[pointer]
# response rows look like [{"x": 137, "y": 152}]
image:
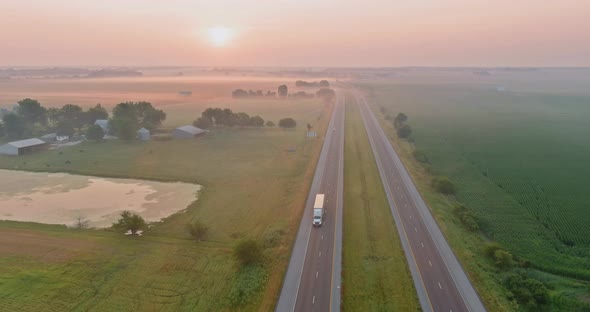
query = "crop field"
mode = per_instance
[
  {"x": 252, "y": 188},
  {"x": 518, "y": 155},
  {"x": 375, "y": 274}
]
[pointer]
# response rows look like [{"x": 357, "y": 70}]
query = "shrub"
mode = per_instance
[
  {"x": 503, "y": 259},
  {"x": 248, "y": 252},
  {"x": 420, "y": 156},
  {"x": 404, "y": 132},
  {"x": 443, "y": 185},
  {"x": 198, "y": 230},
  {"x": 270, "y": 124}
]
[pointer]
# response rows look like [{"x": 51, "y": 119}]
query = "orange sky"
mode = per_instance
[{"x": 296, "y": 33}]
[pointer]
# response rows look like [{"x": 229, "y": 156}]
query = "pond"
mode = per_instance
[{"x": 59, "y": 198}]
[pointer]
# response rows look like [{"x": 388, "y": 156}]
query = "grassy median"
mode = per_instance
[{"x": 375, "y": 274}]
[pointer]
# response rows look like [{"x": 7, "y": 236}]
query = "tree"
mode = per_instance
[
  {"x": 198, "y": 230},
  {"x": 32, "y": 111},
  {"x": 443, "y": 185},
  {"x": 467, "y": 218},
  {"x": 399, "y": 120},
  {"x": 239, "y": 93},
  {"x": 130, "y": 221},
  {"x": 256, "y": 121},
  {"x": 241, "y": 119},
  {"x": 73, "y": 115},
  {"x": 248, "y": 252},
  {"x": 528, "y": 292},
  {"x": 309, "y": 127},
  {"x": 404, "y": 132},
  {"x": 287, "y": 123},
  {"x": 324, "y": 84},
  {"x": 203, "y": 122},
  {"x": 283, "y": 91},
  {"x": 81, "y": 223},
  {"x": 148, "y": 117},
  {"x": 326, "y": 93},
  {"x": 270, "y": 124},
  {"x": 95, "y": 133},
  {"x": 95, "y": 113},
  {"x": 14, "y": 125},
  {"x": 1, "y": 130},
  {"x": 65, "y": 127},
  {"x": 125, "y": 121}
]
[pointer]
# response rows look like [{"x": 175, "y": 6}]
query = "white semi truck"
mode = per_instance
[{"x": 318, "y": 210}]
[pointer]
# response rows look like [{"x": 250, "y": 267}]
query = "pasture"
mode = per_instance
[
  {"x": 252, "y": 188},
  {"x": 518, "y": 156}
]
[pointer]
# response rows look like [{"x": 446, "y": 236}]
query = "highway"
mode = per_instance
[
  {"x": 439, "y": 279},
  {"x": 312, "y": 281}
]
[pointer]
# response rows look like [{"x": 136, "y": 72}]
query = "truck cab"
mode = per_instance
[{"x": 318, "y": 210}]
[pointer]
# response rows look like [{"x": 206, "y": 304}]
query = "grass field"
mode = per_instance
[
  {"x": 519, "y": 160},
  {"x": 375, "y": 274},
  {"x": 253, "y": 187}
]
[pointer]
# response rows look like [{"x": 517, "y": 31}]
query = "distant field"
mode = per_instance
[
  {"x": 252, "y": 187},
  {"x": 519, "y": 156},
  {"x": 375, "y": 272}
]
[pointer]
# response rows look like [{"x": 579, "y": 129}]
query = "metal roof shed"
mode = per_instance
[{"x": 22, "y": 147}]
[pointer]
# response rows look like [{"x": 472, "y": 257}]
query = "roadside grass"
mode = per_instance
[
  {"x": 512, "y": 164},
  {"x": 375, "y": 273},
  {"x": 252, "y": 187}
]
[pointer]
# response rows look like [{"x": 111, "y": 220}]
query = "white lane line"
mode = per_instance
[
  {"x": 421, "y": 243},
  {"x": 429, "y": 262},
  {"x": 322, "y": 236},
  {"x": 415, "y": 229},
  {"x": 439, "y": 285},
  {"x": 316, "y": 274},
  {"x": 320, "y": 254},
  {"x": 313, "y": 300},
  {"x": 410, "y": 217}
]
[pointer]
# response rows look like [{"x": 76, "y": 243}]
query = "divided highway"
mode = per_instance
[
  {"x": 312, "y": 281},
  {"x": 439, "y": 279}
]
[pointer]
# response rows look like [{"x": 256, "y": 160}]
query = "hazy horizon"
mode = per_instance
[{"x": 427, "y": 33}]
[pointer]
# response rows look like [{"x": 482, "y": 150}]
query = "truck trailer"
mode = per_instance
[{"x": 318, "y": 210}]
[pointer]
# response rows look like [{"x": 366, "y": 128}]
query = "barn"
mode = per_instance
[
  {"x": 187, "y": 132},
  {"x": 22, "y": 147}
]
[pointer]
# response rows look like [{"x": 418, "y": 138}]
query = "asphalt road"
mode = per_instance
[
  {"x": 312, "y": 281},
  {"x": 440, "y": 281}
]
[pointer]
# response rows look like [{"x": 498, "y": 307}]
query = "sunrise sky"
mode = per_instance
[{"x": 295, "y": 33}]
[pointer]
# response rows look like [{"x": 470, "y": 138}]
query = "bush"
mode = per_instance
[
  {"x": 270, "y": 124},
  {"x": 248, "y": 252},
  {"x": 503, "y": 259},
  {"x": 531, "y": 293},
  {"x": 443, "y": 185},
  {"x": 198, "y": 230},
  {"x": 203, "y": 123},
  {"x": 467, "y": 218}
]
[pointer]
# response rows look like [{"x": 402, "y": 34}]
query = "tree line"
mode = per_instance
[
  {"x": 30, "y": 118},
  {"x": 313, "y": 84},
  {"x": 218, "y": 117},
  {"x": 283, "y": 92}
]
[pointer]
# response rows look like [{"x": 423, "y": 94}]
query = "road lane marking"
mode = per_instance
[
  {"x": 415, "y": 229},
  {"x": 429, "y": 262},
  {"x": 316, "y": 274},
  {"x": 421, "y": 243},
  {"x": 322, "y": 236},
  {"x": 313, "y": 300},
  {"x": 320, "y": 254},
  {"x": 439, "y": 285}
]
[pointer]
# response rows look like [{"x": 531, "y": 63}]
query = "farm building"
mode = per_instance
[
  {"x": 22, "y": 147},
  {"x": 49, "y": 138},
  {"x": 143, "y": 134},
  {"x": 104, "y": 124},
  {"x": 186, "y": 132}
]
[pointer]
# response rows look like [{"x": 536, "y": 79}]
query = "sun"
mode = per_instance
[{"x": 220, "y": 35}]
